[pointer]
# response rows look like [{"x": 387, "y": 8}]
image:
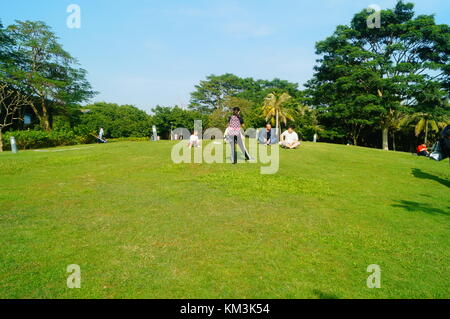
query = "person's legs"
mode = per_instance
[
  {"x": 242, "y": 147},
  {"x": 295, "y": 145},
  {"x": 232, "y": 140}
]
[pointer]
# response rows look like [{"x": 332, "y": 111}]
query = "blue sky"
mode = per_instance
[{"x": 146, "y": 53}]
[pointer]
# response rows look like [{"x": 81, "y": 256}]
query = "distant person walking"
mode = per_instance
[
  {"x": 234, "y": 135},
  {"x": 101, "y": 133}
]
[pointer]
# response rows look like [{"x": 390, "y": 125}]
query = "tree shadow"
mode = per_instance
[
  {"x": 424, "y": 175},
  {"x": 420, "y": 207},
  {"x": 324, "y": 295}
]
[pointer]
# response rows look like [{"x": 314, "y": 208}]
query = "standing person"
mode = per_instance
[
  {"x": 101, "y": 133},
  {"x": 234, "y": 135},
  {"x": 289, "y": 139}
]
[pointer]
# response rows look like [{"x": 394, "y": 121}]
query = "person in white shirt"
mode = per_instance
[
  {"x": 101, "y": 133},
  {"x": 193, "y": 140},
  {"x": 289, "y": 139}
]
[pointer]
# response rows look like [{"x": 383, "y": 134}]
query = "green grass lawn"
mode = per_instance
[{"x": 140, "y": 226}]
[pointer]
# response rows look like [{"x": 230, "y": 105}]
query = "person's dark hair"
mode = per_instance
[
  {"x": 291, "y": 127},
  {"x": 236, "y": 110}
]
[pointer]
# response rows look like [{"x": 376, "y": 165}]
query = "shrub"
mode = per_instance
[{"x": 42, "y": 139}]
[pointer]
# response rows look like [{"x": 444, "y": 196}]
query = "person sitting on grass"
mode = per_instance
[
  {"x": 422, "y": 150},
  {"x": 268, "y": 135},
  {"x": 289, "y": 139},
  {"x": 193, "y": 140}
]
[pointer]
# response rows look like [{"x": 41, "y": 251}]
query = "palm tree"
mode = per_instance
[
  {"x": 274, "y": 110},
  {"x": 313, "y": 123},
  {"x": 303, "y": 109},
  {"x": 397, "y": 120},
  {"x": 425, "y": 122}
]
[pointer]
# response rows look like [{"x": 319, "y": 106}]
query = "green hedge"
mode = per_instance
[{"x": 42, "y": 139}]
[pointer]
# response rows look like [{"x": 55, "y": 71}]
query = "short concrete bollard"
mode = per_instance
[{"x": 13, "y": 145}]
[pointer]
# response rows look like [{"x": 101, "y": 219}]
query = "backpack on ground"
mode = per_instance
[{"x": 437, "y": 153}]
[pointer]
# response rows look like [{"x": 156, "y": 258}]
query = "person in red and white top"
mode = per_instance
[
  {"x": 422, "y": 150},
  {"x": 234, "y": 135}
]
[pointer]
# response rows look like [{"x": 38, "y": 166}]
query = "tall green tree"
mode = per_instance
[
  {"x": 211, "y": 94},
  {"x": 168, "y": 118},
  {"x": 45, "y": 71},
  {"x": 6, "y": 53},
  {"x": 116, "y": 120},
  {"x": 306, "y": 120},
  {"x": 403, "y": 65}
]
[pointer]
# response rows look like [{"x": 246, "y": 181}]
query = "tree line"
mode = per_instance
[{"x": 385, "y": 87}]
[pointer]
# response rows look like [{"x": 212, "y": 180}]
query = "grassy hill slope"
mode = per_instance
[{"x": 140, "y": 226}]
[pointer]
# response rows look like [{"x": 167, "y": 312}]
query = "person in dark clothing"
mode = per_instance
[
  {"x": 267, "y": 135},
  {"x": 445, "y": 141},
  {"x": 234, "y": 135},
  {"x": 441, "y": 150},
  {"x": 268, "y": 132}
]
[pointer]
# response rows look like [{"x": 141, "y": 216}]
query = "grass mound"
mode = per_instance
[{"x": 140, "y": 226}]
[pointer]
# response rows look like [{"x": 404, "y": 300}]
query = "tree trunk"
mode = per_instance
[
  {"x": 43, "y": 118},
  {"x": 45, "y": 122},
  {"x": 385, "y": 139},
  {"x": 393, "y": 141},
  {"x": 355, "y": 141},
  {"x": 1, "y": 141},
  {"x": 426, "y": 131},
  {"x": 278, "y": 125}
]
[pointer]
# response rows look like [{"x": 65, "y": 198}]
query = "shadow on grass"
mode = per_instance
[
  {"x": 424, "y": 175},
  {"x": 324, "y": 295},
  {"x": 420, "y": 207}
]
